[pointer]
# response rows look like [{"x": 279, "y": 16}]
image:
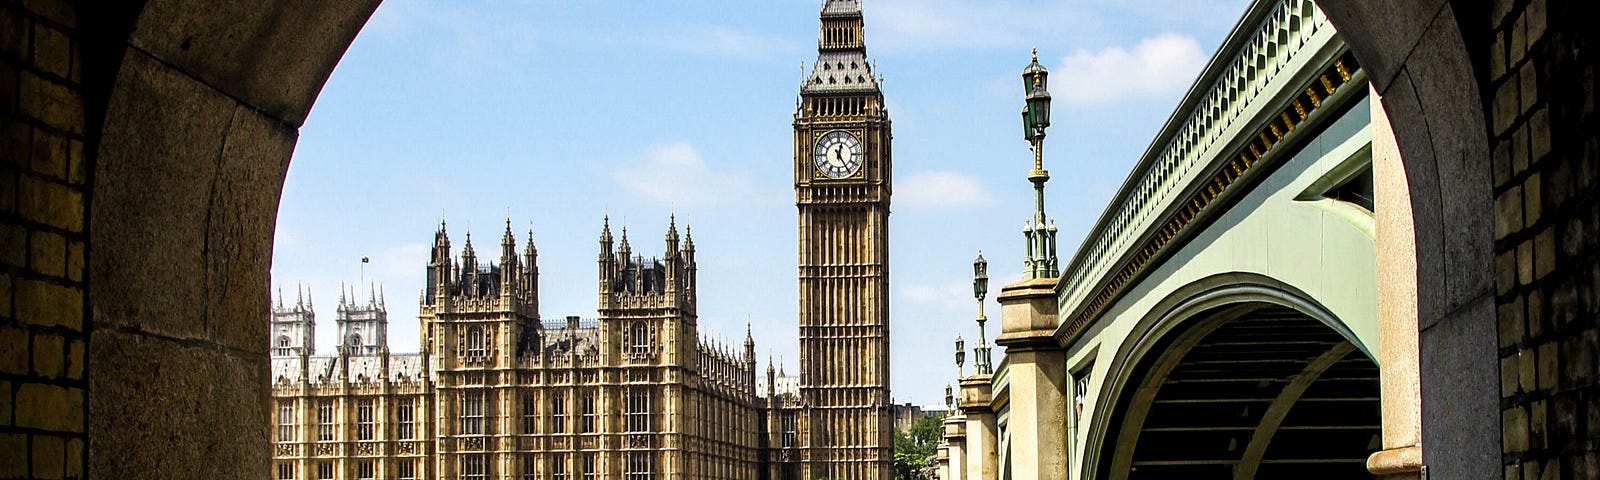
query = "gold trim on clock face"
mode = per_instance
[{"x": 837, "y": 154}]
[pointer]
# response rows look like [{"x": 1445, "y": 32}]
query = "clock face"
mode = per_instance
[{"x": 838, "y": 154}]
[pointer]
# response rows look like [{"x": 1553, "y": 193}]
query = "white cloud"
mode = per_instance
[
  {"x": 1156, "y": 66},
  {"x": 935, "y": 189},
  {"x": 675, "y": 174}
]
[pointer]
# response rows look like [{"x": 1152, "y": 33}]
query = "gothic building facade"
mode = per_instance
[{"x": 496, "y": 392}]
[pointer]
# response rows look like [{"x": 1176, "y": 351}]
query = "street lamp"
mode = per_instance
[
  {"x": 980, "y": 288},
  {"x": 949, "y": 399},
  {"x": 961, "y": 356},
  {"x": 1041, "y": 235}
]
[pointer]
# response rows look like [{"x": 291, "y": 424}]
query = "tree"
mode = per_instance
[{"x": 914, "y": 449}]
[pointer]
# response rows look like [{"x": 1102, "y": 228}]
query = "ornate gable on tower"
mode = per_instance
[{"x": 841, "y": 64}]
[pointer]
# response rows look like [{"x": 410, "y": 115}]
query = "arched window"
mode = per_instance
[
  {"x": 475, "y": 342},
  {"x": 353, "y": 341},
  {"x": 284, "y": 349}
]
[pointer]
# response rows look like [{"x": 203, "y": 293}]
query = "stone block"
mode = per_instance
[
  {"x": 13, "y": 33},
  {"x": 1497, "y": 57},
  {"x": 51, "y": 102},
  {"x": 49, "y": 155},
  {"x": 1502, "y": 164},
  {"x": 13, "y": 351},
  {"x": 1527, "y": 370},
  {"x": 1525, "y": 263},
  {"x": 13, "y": 454},
  {"x": 152, "y": 195},
  {"x": 1538, "y": 134},
  {"x": 1508, "y": 212},
  {"x": 62, "y": 12},
  {"x": 1508, "y": 376},
  {"x": 1505, "y": 105},
  {"x": 74, "y": 458},
  {"x": 74, "y": 260},
  {"x": 1537, "y": 419},
  {"x": 1384, "y": 37},
  {"x": 1505, "y": 272},
  {"x": 1577, "y": 235},
  {"x": 47, "y": 304},
  {"x": 47, "y": 253},
  {"x": 1510, "y": 316},
  {"x": 1532, "y": 208},
  {"x": 8, "y": 190},
  {"x": 1549, "y": 359},
  {"x": 75, "y": 359},
  {"x": 1537, "y": 14},
  {"x": 77, "y": 169},
  {"x": 49, "y": 456},
  {"x": 1578, "y": 358},
  {"x": 255, "y": 159},
  {"x": 139, "y": 381},
  {"x": 13, "y": 245},
  {"x": 52, "y": 50},
  {"x": 8, "y": 83},
  {"x": 5, "y": 294},
  {"x": 49, "y": 355},
  {"x": 1517, "y": 41},
  {"x": 1529, "y": 82},
  {"x": 50, "y": 203},
  {"x": 16, "y": 142},
  {"x": 301, "y": 39},
  {"x": 5, "y": 405},
  {"x": 50, "y": 407},
  {"x": 1544, "y": 253},
  {"x": 1519, "y": 150},
  {"x": 1536, "y": 321},
  {"x": 1515, "y": 427}
]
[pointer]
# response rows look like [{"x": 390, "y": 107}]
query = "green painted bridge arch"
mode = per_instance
[{"x": 1230, "y": 376}]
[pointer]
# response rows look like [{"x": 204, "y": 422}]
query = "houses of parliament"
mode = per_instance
[{"x": 498, "y": 392}]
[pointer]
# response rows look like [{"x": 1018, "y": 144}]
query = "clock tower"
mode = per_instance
[{"x": 842, "y": 172}]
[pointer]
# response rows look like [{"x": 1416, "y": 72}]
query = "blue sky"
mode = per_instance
[{"x": 557, "y": 113}]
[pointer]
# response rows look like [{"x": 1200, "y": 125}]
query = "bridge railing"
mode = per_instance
[{"x": 1273, "y": 42}]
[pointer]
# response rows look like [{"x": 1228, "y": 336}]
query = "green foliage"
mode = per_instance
[{"x": 914, "y": 450}]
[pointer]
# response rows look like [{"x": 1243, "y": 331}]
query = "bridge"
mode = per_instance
[{"x": 1221, "y": 319}]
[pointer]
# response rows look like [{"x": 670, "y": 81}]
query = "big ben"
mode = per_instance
[{"x": 842, "y": 172}]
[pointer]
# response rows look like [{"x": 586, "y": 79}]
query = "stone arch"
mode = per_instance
[
  {"x": 1188, "y": 311},
  {"x": 186, "y": 114}
]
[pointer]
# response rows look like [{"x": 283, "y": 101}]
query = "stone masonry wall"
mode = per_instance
[
  {"x": 1541, "y": 104},
  {"x": 43, "y": 190}
]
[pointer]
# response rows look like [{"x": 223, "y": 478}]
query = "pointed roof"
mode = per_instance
[
  {"x": 841, "y": 64},
  {"x": 833, "y": 7}
]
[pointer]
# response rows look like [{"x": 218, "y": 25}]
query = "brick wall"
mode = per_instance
[
  {"x": 1540, "y": 99},
  {"x": 43, "y": 190}
]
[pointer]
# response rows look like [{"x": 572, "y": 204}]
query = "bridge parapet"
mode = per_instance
[{"x": 1228, "y": 120}]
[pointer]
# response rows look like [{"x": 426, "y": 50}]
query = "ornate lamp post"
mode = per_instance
[
  {"x": 1041, "y": 235},
  {"x": 949, "y": 400},
  {"x": 961, "y": 356},
  {"x": 980, "y": 288}
]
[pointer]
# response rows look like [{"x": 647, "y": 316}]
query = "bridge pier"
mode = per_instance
[
  {"x": 982, "y": 441},
  {"x": 955, "y": 438},
  {"x": 1401, "y": 457},
  {"x": 1038, "y": 375}
]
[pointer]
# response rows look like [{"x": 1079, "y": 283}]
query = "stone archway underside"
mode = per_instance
[{"x": 1269, "y": 394}]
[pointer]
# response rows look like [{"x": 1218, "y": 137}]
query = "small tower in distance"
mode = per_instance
[
  {"x": 363, "y": 328},
  {"x": 293, "y": 326}
]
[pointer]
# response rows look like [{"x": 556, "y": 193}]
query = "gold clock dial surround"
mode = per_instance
[{"x": 837, "y": 154}]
